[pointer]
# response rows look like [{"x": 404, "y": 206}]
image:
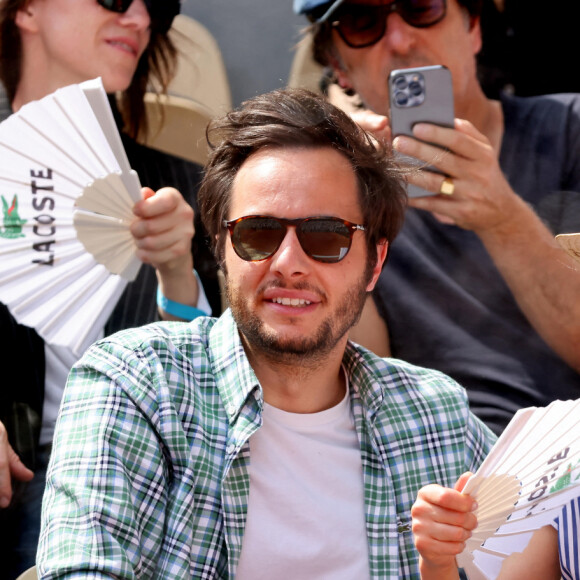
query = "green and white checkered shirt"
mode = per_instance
[{"x": 149, "y": 473}]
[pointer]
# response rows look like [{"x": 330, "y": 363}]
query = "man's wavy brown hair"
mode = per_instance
[{"x": 297, "y": 118}]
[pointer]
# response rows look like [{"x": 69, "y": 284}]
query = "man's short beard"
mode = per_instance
[{"x": 308, "y": 348}]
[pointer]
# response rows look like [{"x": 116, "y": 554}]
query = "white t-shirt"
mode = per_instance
[{"x": 306, "y": 511}]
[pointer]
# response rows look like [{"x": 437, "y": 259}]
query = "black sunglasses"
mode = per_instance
[
  {"x": 361, "y": 25},
  {"x": 161, "y": 12},
  {"x": 324, "y": 239}
]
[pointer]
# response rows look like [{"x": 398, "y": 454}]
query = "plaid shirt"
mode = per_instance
[{"x": 149, "y": 473}]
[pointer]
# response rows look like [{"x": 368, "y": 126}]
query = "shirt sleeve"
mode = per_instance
[
  {"x": 479, "y": 441},
  {"x": 104, "y": 504}
]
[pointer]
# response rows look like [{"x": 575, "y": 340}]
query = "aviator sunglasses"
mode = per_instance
[
  {"x": 361, "y": 25},
  {"x": 161, "y": 12},
  {"x": 324, "y": 239}
]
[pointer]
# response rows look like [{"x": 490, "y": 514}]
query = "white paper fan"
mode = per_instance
[
  {"x": 67, "y": 192},
  {"x": 529, "y": 475},
  {"x": 570, "y": 243}
]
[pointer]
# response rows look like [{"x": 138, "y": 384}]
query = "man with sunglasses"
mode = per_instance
[
  {"x": 262, "y": 444},
  {"x": 476, "y": 287},
  {"x": 44, "y": 45}
]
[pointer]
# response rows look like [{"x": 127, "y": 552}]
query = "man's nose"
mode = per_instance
[
  {"x": 290, "y": 260},
  {"x": 399, "y": 36}
]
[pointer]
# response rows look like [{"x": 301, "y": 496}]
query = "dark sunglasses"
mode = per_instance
[
  {"x": 161, "y": 12},
  {"x": 361, "y": 25},
  {"x": 324, "y": 239}
]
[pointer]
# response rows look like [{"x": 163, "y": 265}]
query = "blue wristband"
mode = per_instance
[{"x": 176, "y": 309}]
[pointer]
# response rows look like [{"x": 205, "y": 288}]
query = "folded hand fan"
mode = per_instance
[
  {"x": 67, "y": 190},
  {"x": 530, "y": 474},
  {"x": 570, "y": 243}
]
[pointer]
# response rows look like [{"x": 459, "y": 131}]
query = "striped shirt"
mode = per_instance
[
  {"x": 567, "y": 524},
  {"x": 149, "y": 474}
]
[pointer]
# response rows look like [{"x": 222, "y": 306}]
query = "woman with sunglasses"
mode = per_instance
[{"x": 44, "y": 45}]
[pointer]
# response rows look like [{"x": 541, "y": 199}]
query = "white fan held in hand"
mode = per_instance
[
  {"x": 530, "y": 474},
  {"x": 66, "y": 252}
]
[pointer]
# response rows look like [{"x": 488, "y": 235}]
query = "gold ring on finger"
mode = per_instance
[{"x": 447, "y": 187}]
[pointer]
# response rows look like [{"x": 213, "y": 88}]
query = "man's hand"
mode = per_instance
[
  {"x": 482, "y": 197},
  {"x": 542, "y": 278},
  {"x": 443, "y": 520},
  {"x": 377, "y": 125},
  {"x": 10, "y": 466}
]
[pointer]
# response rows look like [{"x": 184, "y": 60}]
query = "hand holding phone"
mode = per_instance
[{"x": 420, "y": 95}]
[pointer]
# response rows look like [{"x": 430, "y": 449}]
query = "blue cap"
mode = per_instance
[{"x": 324, "y": 7}]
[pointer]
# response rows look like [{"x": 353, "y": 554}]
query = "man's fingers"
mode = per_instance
[
  {"x": 178, "y": 223},
  {"x": 445, "y": 526},
  {"x": 445, "y": 506},
  {"x": 460, "y": 484},
  {"x": 18, "y": 469},
  {"x": 162, "y": 201},
  {"x": 10, "y": 466},
  {"x": 5, "y": 487},
  {"x": 464, "y": 141},
  {"x": 370, "y": 121},
  {"x": 428, "y": 512},
  {"x": 377, "y": 125},
  {"x": 442, "y": 540},
  {"x": 147, "y": 192},
  {"x": 442, "y": 522}
]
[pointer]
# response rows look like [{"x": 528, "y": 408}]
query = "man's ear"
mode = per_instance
[
  {"x": 475, "y": 33},
  {"x": 26, "y": 17},
  {"x": 339, "y": 72},
  {"x": 382, "y": 249}
]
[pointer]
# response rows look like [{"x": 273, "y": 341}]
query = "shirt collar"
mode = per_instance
[
  {"x": 369, "y": 375},
  {"x": 235, "y": 378}
]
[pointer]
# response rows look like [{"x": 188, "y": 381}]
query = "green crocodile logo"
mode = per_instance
[
  {"x": 12, "y": 221},
  {"x": 565, "y": 479}
]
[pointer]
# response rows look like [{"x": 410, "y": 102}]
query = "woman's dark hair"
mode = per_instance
[
  {"x": 298, "y": 118},
  {"x": 157, "y": 63}
]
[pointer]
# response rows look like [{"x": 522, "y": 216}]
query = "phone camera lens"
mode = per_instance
[
  {"x": 401, "y": 98},
  {"x": 415, "y": 88},
  {"x": 400, "y": 83}
]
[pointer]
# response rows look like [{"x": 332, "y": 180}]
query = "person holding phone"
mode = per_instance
[
  {"x": 44, "y": 45},
  {"x": 476, "y": 287}
]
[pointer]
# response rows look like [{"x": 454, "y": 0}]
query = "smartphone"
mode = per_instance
[{"x": 417, "y": 95}]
